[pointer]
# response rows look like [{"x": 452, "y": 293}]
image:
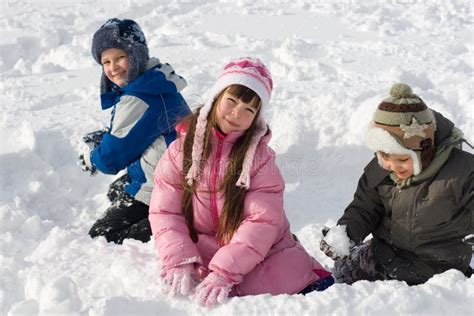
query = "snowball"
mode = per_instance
[{"x": 338, "y": 240}]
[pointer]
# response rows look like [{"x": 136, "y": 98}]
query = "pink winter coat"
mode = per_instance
[{"x": 262, "y": 256}]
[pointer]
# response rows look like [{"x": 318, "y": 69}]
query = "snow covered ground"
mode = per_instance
[{"x": 332, "y": 63}]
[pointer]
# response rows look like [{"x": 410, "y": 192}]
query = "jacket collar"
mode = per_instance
[
  {"x": 182, "y": 128},
  {"x": 227, "y": 138},
  {"x": 157, "y": 79}
]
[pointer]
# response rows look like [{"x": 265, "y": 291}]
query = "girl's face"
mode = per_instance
[
  {"x": 233, "y": 115},
  {"x": 401, "y": 165},
  {"x": 115, "y": 63}
]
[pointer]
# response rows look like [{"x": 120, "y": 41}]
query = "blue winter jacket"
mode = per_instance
[{"x": 144, "y": 114}]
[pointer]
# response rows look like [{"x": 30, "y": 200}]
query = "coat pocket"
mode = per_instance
[{"x": 435, "y": 211}]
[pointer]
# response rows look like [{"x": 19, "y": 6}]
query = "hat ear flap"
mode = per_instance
[
  {"x": 105, "y": 84},
  {"x": 133, "y": 70},
  {"x": 378, "y": 139},
  {"x": 415, "y": 157},
  {"x": 137, "y": 61}
]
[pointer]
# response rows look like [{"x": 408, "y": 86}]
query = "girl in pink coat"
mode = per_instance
[{"x": 216, "y": 211}]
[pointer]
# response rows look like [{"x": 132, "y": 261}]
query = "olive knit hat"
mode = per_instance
[
  {"x": 125, "y": 35},
  {"x": 403, "y": 125}
]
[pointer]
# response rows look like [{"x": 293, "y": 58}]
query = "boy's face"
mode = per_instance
[
  {"x": 232, "y": 114},
  {"x": 401, "y": 165},
  {"x": 115, "y": 63}
]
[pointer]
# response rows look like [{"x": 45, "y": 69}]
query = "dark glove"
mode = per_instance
[
  {"x": 335, "y": 243},
  {"x": 325, "y": 231},
  {"x": 86, "y": 165},
  {"x": 94, "y": 138}
]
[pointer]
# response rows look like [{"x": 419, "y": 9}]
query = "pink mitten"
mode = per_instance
[
  {"x": 179, "y": 280},
  {"x": 213, "y": 289}
]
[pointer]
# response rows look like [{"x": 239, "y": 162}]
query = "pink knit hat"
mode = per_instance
[{"x": 248, "y": 72}]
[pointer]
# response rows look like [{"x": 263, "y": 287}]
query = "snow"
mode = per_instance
[
  {"x": 337, "y": 238},
  {"x": 332, "y": 63}
]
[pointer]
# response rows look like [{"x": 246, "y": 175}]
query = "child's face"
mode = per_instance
[
  {"x": 401, "y": 165},
  {"x": 232, "y": 114},
  {"x": 115, "y": 63}
]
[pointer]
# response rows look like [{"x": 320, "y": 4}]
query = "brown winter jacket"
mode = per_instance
[{"x": 418, "y": 230}]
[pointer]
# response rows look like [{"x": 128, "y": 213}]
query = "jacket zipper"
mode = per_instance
[{"x": 214, "y": 178}]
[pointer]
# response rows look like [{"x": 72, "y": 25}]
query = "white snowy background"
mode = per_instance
[{"x": 332, "y": 63}]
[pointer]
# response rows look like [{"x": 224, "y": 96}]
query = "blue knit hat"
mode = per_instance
[{"x": 125, "y": 35}]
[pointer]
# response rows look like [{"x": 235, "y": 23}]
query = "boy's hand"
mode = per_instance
[
  {"x": 329, "y": 251},
  {"x": 94, "y": 138},
  {"x": 86, "y": 164},
  {"x": 335, "y": 242}
]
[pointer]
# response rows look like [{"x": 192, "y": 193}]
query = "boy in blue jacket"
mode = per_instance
[{"x": 146, "y": 103}]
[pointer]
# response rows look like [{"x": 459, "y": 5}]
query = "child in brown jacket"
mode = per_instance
[{"x": 415, "y": 198}]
